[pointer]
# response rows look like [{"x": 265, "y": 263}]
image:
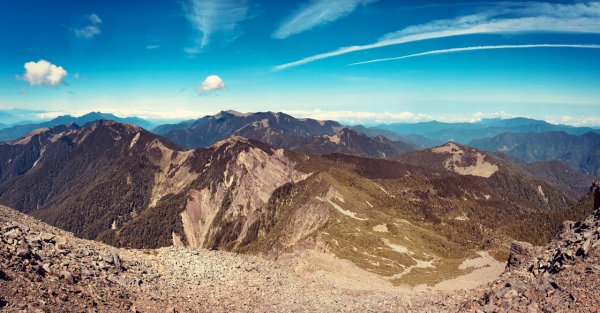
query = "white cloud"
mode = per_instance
[
  {"x": 89, "y": 31},
  {"x": 456, "y": 50},
  {"x": 367, "y": 117},
  {"x": 43, "y": 73},
  {"x": 213, "y": 16},
  {"x": 152, "y": 47},
  {"x": 315, "y": 13},
  {"x": 526, "y": 18},
  {"x": 211, "y": 83},
  {"x": 593, "y": 121}
]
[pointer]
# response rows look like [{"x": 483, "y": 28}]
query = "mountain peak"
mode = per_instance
[
  {"x": 450, "y": 147},
  {"x": 229, "y": 113},
  {"x": 231, "y": 141}
]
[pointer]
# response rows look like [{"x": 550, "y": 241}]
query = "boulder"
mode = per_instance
[{"x": 520, "y": 256}]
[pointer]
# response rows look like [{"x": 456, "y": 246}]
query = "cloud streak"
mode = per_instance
[
  {"x": 476, "y": 48},
  {"x": 528, "y": 18},
  {"x": 209, "y": 17},
  {"x": 315, "y": 13}
]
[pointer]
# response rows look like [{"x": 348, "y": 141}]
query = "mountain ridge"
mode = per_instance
[
  {"x": 16, "y": 131},
  {"x": 282, "y": 131}
]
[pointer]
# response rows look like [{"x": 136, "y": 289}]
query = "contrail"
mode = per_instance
[{"x": 455, "y": 50}]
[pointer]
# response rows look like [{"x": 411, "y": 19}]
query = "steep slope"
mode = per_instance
[
  {"x": 282, "y": 131},
  {"x": 16, "y": 131},
  {"x": 559, "y": 174},
  {"x": 560, "y": 277},
  {"x": 487, "y": 128},
  {"x": 412, "y": 224},
  {"x": 580, "y": 152},
  {"x": 82, "y": 179}
]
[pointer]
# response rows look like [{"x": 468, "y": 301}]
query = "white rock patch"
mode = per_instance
[
  {"x": 481, "y": 168},
  {"x": 381, "y": 228}
]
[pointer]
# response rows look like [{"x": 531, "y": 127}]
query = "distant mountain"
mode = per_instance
[
  {"x": 16, "y": 131},
  {"x": 349, "y": 141},
  {"x": 277, "y": 129},
  {"x": 418, "y": 140},
  {"x": 17, "y": 116},
  {"x": 281, "y": 131},
  {"x": 466, "y": 132},
  {"x": 579, "y": 152}
]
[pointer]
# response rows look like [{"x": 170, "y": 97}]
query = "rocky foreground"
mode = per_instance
[{"x": 44, "y": 269}]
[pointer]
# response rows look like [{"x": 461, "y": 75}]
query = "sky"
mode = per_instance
[{"x": 356, "y": 61}]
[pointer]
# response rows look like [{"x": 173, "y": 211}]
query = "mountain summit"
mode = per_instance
[{"x": 282, "y": 131}]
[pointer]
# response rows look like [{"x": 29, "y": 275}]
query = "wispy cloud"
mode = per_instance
[
  {"x": 456, "y": 50},
  {"x": 152, "y": 47},
  {"x": 91, "y": 30},
  {"x": 525, "y": 18},
  {"x": 213, "y": 16},
  {"x": 315, "y": 13}
]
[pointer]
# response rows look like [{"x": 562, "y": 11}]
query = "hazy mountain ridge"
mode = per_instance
[
  {"x": 14, "y": 132},
  {"x": 580, "y": 152},
  {"x": 464, "y": 133}
]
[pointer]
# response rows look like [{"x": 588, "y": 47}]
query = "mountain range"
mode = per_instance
[
  {"x": 282, "y": 131},
  {"x": 16, "y": 131},
  {"x": 428, "y": 210},
  {"x": 486, "y": 128},
  {"x": 581, "y": 152}
]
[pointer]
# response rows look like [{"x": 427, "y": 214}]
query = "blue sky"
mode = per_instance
[{"x": 184, "y": 59}]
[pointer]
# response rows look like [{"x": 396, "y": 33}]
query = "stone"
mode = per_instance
[
  {"x": 585, "y": 248},
  {"x": 520, "y": 255},
  {"x": 23, "y": 253},
  {"x": 47, "y": 237}
]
